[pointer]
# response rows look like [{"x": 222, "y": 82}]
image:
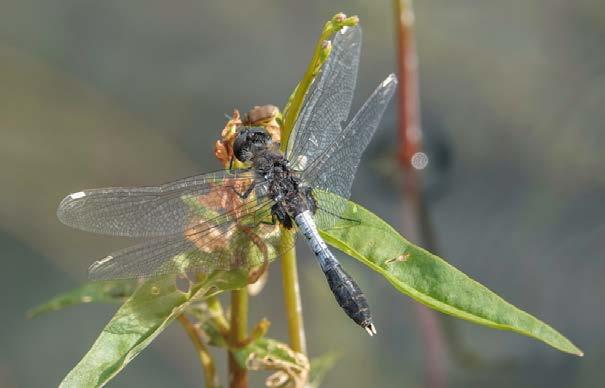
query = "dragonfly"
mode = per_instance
[{"x": 242, "y": 218}]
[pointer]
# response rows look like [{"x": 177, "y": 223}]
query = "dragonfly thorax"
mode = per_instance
[
  {"x": 254, "y": 145},
  {"x": 283, "y": 185}
]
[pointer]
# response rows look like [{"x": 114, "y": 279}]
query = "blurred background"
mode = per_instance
[{"x": 133, "y": 92}]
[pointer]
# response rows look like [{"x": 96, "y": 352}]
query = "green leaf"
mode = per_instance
[
  {"x": 142, "y": 317},
  {"x": 320, "y": 366},
  {"x": 104, "y": 292},
  {"x": 429, "y": 279}
]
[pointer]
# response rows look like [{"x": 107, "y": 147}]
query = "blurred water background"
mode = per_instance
[{"x": 133, "y": 92}]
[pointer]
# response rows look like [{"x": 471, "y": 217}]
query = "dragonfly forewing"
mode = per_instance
[
  {"x": 155, "y": 210},
  {"x": 328, "y": 102}
]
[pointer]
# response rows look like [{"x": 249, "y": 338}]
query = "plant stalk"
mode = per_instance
[
  {"x": 320, "y": 55},
  {"x": 217, "y": 316},
  {"x": 238, "y": 377},
  {"x": 210, "y": 376},
  {"x": 296, "y": 328},
  {"x": 409, "y": 145},
  {"x": 410, "y": 135}
]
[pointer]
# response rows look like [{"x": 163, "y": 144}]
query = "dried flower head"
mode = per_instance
[{"x": 223, "y": 149}]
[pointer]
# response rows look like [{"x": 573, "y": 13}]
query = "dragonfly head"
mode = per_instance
[{"x": 249, "y": 141}]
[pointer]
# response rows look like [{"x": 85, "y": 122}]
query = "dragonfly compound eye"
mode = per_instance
[
  {"x": 250, "y": 141},
  {"x": 241, "y": 147}
]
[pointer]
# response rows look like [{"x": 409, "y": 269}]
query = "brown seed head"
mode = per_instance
[{"x": 223, "y": 149}]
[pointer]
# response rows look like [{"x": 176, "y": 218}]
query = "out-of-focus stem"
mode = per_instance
[
  {"x": 410, "y": 143},
  {"x": 210, "y": 376},
  {"x": 217, "y": 316},
  {"x": 296, "y": 328},
  {"x": 410, "y": 135},
  {"x": 238, "y": 378}
]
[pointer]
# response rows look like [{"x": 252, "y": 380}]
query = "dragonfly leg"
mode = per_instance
[
  {"x": 351, "y": 220},
  {"x": 279, "y": 212},
  {"x": 256, "y": 273},
  {"x": 311, "y": 201},
  {"x": 246, "y": 193},
  {"x": 272, "y": 222}
]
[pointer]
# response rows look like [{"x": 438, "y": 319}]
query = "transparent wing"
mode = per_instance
[
  {"x": 335, "y": 169},
  {"x": 246, "y": 241},
  {"x": 155, "y": 211},
  {"x": 331, "y": 210},
  {"x": 328, "y": 101}
]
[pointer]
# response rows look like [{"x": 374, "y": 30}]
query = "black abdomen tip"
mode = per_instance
[{"x": 350, "y": 297}]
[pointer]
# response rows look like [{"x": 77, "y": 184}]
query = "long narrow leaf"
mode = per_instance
[
  {"x": 140, "y": 319},
  {"x": 94, "y": 292},
  {"x": 429, "y": 279}
]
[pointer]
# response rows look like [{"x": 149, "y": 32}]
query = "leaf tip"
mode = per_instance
[
  {"x": 579, "y": 353},
  {"x": 573, "y": 349}
]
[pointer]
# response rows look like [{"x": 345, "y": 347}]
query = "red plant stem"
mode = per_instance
[
  {"x": 410, "y": 135},
  {"x": 409, "y": 144},
  {"x": 435, "y": 372}
]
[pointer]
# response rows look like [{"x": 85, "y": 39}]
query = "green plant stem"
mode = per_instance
[
  {"x": 217, "y": 315},
  {"x": 294, "y": 106},
  {"x": 296, "y": 328},
  {"x": 238, "y": 378},
  {"x": 210, "y": 376},
  {"x": 320, "y": 54}
]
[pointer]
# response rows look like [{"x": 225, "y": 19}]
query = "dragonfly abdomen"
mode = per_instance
[
  {"x": 350, "y": 297},
  {"x": 346, "y": 291}
]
